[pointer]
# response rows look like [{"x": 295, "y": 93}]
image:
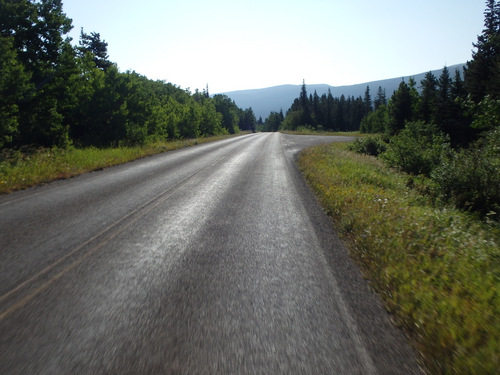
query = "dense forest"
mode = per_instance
[
  {"x": 322, "y": 112},
  {"x": 54, "y": 93}
]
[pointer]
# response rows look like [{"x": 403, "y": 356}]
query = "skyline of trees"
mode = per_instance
[
  {"x": 439, "y": 100},
  {"x": 55, "y": 94}
]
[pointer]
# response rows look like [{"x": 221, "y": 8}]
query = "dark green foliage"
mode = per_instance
[
  {"x": 375, "y": 122},
  {"x": 470, "y": 178},
  {"x": 247, "y": 120},
  {"x": 367, "y": 101},
  {"x": 54, "y": 94},
  {"x": 482, "y": 75},
  {"x": 439, "y": 102},
  {"x": 326, "y": 112},
  {"x": 92, "y": 43},
  {"x": 273, "y": 122},
  {"x": 380, "y": 99},
  {"x": 400, "y": 108},
  {"x": 230, "y": 113},
  {"x": 370, "y": 145},
  {"x": 445, "y": 102},
  {"x": 427, "y": 106},
  {"x": 14, "y": 86},
  {"x": 417, "y": 149},
  {"x": 485, "y": 114},
  {"x": 305, "y": 107},
  {"x": 36, "y": 31}
]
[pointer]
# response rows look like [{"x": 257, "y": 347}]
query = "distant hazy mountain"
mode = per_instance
[{"x": 264, "y": 101}]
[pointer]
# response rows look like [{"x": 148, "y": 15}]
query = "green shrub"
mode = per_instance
[
  {"x": 371, "y": 145},
  {"x": 375, "y": 122},
  {"x": 417, "y": 149},
  {"x": 470, "y": 179}
]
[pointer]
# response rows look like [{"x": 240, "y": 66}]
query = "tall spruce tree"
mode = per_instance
[
  {"x": 462, "y": 133},
  {"x": 444, "y": 113},
  {"x": 306, "y": 118},
  {"x": 367, "y": 101},
  {"x": 428, "y": 99},
  {"x": 401, "y": 108},
  {"x": 482, "y": 75},
  {"x": 380, "y": 99}
]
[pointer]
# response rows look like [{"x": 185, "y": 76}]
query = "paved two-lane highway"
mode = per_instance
[{"x": 214, "y": 259}]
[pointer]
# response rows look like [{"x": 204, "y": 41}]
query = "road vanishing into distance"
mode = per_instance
[{"x": 215, "y": 259}]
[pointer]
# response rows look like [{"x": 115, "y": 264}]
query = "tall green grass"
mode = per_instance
[
  {"x": 19, "y": 170},
  {"x": 437, "y": 270}
]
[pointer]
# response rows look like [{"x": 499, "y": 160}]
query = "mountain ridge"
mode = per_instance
[{"x": 273, "y": 99}]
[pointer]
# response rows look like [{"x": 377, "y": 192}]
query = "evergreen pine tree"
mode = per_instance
[
  {"x": 462, "y": 134},
  {"x": 444, "y": 113},
  {"x": 367, "y": 101},
  {"x": 401, "y": 108},
  {"x": 380, "y": 99},
  {"x": 306, "y": 118},
  {"x": 317, "y": 118},
  {"x": 482, "y": 75},
  {"x": 329, "y": 111},
  {"x": 428, "y": 99}
]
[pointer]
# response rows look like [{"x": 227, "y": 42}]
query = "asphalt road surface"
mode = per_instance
[{"x": 215, "y": 259}]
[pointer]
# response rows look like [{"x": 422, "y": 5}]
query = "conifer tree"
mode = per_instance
[
  {"x": 305, "y": 106},
  {"x": 380, "y": 99},
  {"x": 367, "y": 101},
  {"x": 316, "y": 115},
  {"x": 482, "y": 75},
  {"x": 401, "y": 108},
  {"x": 427, "y": 106},
  {"x": 444, "y": 113}
]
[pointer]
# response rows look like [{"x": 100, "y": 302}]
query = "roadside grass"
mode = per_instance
[
  {"x": 436, "y": 269},
  {"x": 20, "y": 170}
]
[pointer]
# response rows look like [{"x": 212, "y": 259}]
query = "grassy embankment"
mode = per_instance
[
  {"x": 21, "y": 170},
  {"x": 437, "y": 269}
]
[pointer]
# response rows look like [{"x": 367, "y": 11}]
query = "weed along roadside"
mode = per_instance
[{"x": 436, "y": 269}]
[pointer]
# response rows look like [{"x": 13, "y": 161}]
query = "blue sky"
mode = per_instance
[{"x": 237, "y": 45}]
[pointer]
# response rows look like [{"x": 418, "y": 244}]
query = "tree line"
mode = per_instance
[
  {"x": 449, "y": 132},
  {"x": 323, "y": 113},
  {"x": 53, "y": 93},
  {"x": 437, "y": 100},
  {"x": 455, "y": 101}
]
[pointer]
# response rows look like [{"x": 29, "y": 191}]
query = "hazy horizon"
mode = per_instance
[{"x": 237, "y": 45}]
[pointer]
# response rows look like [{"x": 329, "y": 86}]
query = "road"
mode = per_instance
[{"x": 215, "y": 259}]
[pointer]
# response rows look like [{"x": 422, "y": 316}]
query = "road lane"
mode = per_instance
[{"x": 214, "y": 259}]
